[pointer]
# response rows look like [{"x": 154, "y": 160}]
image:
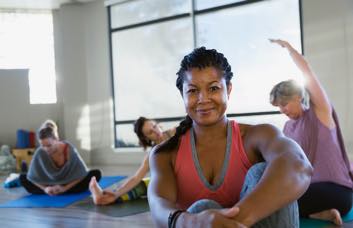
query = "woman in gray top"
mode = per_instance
[
  {"x": 56, "y": 166},
  {"x": 314, "y": 126}
]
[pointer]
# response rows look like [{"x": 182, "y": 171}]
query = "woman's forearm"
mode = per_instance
[
  {"x": 70, "y": 185},
  {"x": 40, "y": 186},
  {"x": 127, "y": 186},
  {"x": 286, "y": 173}
]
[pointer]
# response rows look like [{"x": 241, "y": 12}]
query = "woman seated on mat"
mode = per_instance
[
  {"x": 215, "y": 172},
  {"x": 314, "y": 126},
  {"x": 56, "y": 166},
  {"x": 149, "y": 134}
]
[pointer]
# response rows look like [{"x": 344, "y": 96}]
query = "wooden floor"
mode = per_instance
[
  {"x": 69, "y": 216},
  {"x": 72, "y": 216}
]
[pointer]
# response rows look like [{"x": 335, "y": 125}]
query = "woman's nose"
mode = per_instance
[{"x": 203, "y": 96}]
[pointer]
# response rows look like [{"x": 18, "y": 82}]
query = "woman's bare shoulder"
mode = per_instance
[
  {"x": 257, "y": 130},
  {"x": 160, "y": 152}
]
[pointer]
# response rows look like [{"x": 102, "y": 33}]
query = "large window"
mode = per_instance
[
  {"x": 149, "y": 39},
  {"x": 26, "y": 42}
]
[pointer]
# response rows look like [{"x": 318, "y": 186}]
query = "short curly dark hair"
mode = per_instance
[{"x": 201, "y": 58}]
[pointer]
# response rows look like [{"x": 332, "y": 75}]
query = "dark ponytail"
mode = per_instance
[
  {"x": 138, "y": 125},
  {"x": 173, "y": 142}
]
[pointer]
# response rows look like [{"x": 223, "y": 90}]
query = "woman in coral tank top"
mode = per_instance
[{"x": 217, "y": 173}]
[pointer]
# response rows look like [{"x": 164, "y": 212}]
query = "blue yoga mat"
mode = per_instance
[
  {"x": 312, "y": 223},
  {"x": 59, "y": 200}
]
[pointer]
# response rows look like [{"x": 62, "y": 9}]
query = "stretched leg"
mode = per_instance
[
  {"x": 84, "y": 183},
  {"x": 286, "y": 217},
  {"x": 326, "y": 201},
  {"x": 29, "y": 186},
  {"x": 138, "y": 191}
]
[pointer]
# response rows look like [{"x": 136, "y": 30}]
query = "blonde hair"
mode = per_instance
[
  {"x": 48, "y": 129},
  {"x": 286, "y": 90}
]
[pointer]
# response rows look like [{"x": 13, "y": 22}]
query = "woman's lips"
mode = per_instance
[{"x": 204, "y": 111}]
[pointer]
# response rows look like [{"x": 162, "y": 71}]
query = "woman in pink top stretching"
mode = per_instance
[
  {"x": 314, "y": 126},
  {"x": 216, "y": 173}
]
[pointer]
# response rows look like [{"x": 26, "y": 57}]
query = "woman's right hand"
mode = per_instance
[
  {"x": 108, "y": 197},
  {"x": 282, "y": 43},
  {"x": 50, "y": 190},
  {"x": 217, "y": 218}
]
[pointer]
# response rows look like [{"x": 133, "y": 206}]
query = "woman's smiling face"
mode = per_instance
[{"x": 205, "y": 95}]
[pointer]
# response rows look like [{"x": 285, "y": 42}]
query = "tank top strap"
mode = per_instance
[{"x": 66, "y": 152}]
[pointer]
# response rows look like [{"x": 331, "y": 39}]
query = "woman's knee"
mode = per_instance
[
  {"x": 252, "y": 177},
  {"x": 203, "y": 204},
  {"x": 96, "y": 173}
]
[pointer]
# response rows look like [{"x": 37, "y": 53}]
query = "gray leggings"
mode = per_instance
[{"x": 286, "y": 217}]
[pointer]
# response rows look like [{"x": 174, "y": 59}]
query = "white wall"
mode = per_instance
[
  {"x": 15, "y": 110},
  {"x": 328, "y": 46},
  {"x": 83, "y": 56},
  {"x": 70, "y": 52},
  {"x": 99, "y": 92}
]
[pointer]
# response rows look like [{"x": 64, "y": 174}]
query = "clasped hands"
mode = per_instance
[
  {"x": 219, "y": 218},
  {"x": 54, "y": 190}
]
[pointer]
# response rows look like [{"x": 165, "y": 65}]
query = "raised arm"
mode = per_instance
[
  {"x": 286, "y": 178},
  {"x": 318, "y": 96}
]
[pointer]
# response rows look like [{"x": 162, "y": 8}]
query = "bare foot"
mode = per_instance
[
  {"x": 332, "y": 215},
  {"x": 95, "y": 189}
]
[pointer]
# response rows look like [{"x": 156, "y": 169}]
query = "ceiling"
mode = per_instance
[{"x": 38, "y": 4}]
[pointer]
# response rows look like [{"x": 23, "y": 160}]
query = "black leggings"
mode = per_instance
[
  {"x": 323, "y": 196},
  {"x": 79, "y": 187}
]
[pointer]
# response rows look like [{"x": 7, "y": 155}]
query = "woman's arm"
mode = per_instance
[
  {"x": 63, "y": 188},
  {"x": 106, "y": 197},
  {"x": 59, "y": 189},
  {"x": 41, "y": 186},
  {"x": 318, "y": 96},
  {"x": 162, "y": 196},
  {"x": 134, "y": 180},
  {"x": 286, "y": 178},
  {"x": 162, "y": 189},
  {"x": 56, "y": 189}
]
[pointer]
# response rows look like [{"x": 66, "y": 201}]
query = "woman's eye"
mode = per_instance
[
  {"x": 191, "y": 91},
  {"x": 214, "y": 88}
]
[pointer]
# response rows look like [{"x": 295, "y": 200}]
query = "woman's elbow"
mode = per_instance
[{"x": 304, "y": 172}]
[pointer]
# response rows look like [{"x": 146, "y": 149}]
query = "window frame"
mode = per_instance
[{"x": 192, "y": 14}]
